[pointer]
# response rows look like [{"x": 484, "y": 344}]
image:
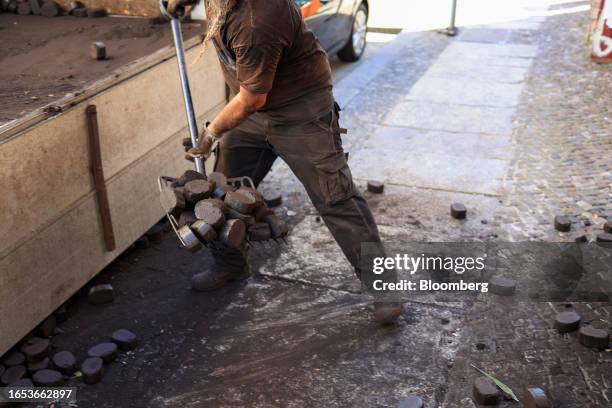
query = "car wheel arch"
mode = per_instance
[
  {"x": 365, "y": 3},
  {"x": 348, "y": 53}
]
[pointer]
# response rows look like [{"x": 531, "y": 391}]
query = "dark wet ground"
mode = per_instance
[{"x": 269, "y": 342}]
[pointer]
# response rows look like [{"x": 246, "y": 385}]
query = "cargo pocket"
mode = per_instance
[{"x": 335, "y": 179}]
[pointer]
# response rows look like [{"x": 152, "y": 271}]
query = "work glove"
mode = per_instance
[
  {"x": 176, "y": 8},
  {"x": 206, "y": 142}
]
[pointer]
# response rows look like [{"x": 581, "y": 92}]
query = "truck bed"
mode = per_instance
[{"x": 43, "y": 59}]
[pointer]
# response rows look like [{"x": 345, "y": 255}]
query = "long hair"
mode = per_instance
[{"x": 217, "y": 12}]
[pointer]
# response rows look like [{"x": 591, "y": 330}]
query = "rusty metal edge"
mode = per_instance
[{"x": 97, "y": 170}]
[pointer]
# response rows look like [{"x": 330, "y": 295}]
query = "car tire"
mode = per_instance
[{"x": 354, "y": 48}]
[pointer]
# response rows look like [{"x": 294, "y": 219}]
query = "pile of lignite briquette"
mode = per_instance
[{"x": 209, "y": 209}]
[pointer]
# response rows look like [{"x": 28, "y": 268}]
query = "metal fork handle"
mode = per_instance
[{"x": 182, "y": 66}]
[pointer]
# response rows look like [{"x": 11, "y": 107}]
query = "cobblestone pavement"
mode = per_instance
[
  {"x": 509, "y": 119},
  {"x": 562, "y": 150},
  {"x": 562, "y": 140},
  {"x": 520, "y": 346}
]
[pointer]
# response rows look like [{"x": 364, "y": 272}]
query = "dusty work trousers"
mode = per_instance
[{"x": 314, "y": 153}]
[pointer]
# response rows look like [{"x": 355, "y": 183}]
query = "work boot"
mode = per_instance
[
  {"x": 387, "y": 312},
  {"x": 240, "y": 275},
  {"x": 213, "y": 279}
]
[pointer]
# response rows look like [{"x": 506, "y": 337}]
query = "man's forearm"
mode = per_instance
[{"x": 234, "y": 113}]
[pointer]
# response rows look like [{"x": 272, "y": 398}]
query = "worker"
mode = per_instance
[{"x": 282, "y": 106}]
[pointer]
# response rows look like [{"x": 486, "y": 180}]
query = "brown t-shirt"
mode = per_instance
[{"x": 266, "y": 47}]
